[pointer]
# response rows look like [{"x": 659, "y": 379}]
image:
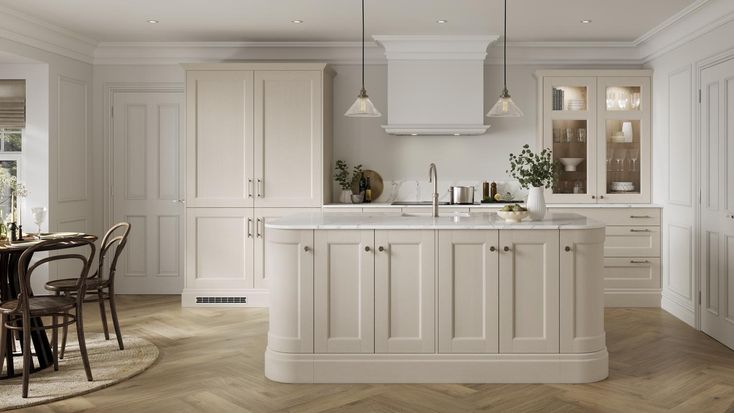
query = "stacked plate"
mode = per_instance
[
  {"x": 576, "y": 104},
  {"x": 623, "y": 186}
]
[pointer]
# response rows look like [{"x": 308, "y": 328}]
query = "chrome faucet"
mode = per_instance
[{"x": 433, "y": 177}]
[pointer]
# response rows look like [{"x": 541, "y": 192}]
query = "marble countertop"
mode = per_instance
[
  {"x": 489, "y": 206},
  {"x": 447, "y": 220}
]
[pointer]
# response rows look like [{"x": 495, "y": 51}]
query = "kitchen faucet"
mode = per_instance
[{"x": 433, "y": 177}]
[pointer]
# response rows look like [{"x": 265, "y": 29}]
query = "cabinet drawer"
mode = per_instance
[
  {"x": 618, "y": 216},
  {"x": 631, "y": 273},
  {"x": 628, "y": 241}
]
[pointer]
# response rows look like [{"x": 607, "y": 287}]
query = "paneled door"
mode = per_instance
[
  {"x": 147, "y": 189},
  {"x": 344, "y": 281},
  {"x": 288, "y": 130},
  {"x": 717, "y": 201},
  {"x": 529, "y": 288},
  {"x": 404, "y": 291}
]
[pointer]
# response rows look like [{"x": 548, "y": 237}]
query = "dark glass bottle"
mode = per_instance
[
  {"x": 368, "y": 192},
  {"x": 362, "y": 183}
]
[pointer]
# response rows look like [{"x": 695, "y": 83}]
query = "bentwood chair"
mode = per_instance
[
  {"x": 101, "y": 284},
  {"x": 17, "y": 314}
]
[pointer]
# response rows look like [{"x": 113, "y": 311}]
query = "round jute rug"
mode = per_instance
[{"x": 109, "y": 364}]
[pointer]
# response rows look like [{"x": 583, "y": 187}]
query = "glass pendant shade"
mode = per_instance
[
  {"x": 505, "y": 108},
  {"x": 363, "y": 108}
]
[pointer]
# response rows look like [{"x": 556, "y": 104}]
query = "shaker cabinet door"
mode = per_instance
[
  {"x": 404, "y": 291},
  {"x": 529, "y": 305}
]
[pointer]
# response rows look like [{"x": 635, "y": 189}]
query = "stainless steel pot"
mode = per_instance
[{"x": 461, "y": 194}]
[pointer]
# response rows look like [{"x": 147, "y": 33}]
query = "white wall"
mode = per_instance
[{"x": 675, "y": 144}]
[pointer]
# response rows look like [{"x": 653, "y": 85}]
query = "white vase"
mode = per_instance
[
  {"x": 536, "y": 203},
  {"x": 345, "y": 197},
  {"x": 627, "y": 131}
]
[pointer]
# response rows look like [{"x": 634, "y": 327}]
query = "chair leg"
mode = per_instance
[
  {"x": 103, "y": 313},
  {"x": 3, "y": 342},
  {"x": 64, "y": 333},
  {"x": 115, "y": 321},
  {"x": 26, "y": 353},
  {"x": 55, "y": 341},
  {"x": 82, "y": 343}
]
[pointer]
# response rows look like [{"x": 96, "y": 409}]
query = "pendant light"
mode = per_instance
[
  {"x": 505, "y": 107},
  {"x": 363, "y": 107}
]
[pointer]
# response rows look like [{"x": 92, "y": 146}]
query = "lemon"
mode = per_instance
[{"x": 497, "y": 197}]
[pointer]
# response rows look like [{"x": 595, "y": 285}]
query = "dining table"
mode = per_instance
[{"x": 10, "y": 288}]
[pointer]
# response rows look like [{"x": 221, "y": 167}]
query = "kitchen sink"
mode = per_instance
[{"x": 417, "y": 203}]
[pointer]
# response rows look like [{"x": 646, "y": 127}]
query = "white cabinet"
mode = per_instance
[
  {"x": 597, "y": 122},
  {"x": 468, "y": 291},
  {"x": 344, "y": 291},
  {"x": 404, "y": 291},
  {"x": 529, "y": 291}
]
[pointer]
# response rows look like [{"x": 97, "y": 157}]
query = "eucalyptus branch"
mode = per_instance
[{"x": 533, "y": 169}]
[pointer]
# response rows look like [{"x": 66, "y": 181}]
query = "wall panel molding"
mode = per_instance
[
  {"x": 72, "y": 146},
  {"x": 680, "y": 131}
]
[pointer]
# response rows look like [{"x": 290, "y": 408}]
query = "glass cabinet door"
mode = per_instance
[
  {"x": 624, "y": 133},
  {"x": 569, "y": 130}
]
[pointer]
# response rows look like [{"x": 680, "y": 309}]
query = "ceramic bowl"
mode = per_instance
[
  {"x": 513, "y": 216},
  {"x": 570, "y": 164}
]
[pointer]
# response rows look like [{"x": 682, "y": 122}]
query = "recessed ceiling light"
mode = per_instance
[
  {"x": 296, "y": 21},
  {"x": 152, "y": 21},
  {"x": 441, "y": 21},
  {"x": 585, "y": 21}
]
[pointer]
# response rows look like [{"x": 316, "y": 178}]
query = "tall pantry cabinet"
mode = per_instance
[{"x": 258, "y": 136}]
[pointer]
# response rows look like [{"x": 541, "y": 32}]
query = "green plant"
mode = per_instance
[
  {"x": 342, "y": 174},
  {"x": 533, "y": 169}
]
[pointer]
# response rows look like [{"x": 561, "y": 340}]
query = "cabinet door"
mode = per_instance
[
  {"x": 624, "y": 139},
  {"x": 468, "y": 266},
  {"x": 529, "y": 291},
  {"x": 582, "y": 291},
  {"x": 344, "y": 291},
  {"x": 259, "y": 234},
  {"x": 219, "y": 140},
  {"x": 219, "y": 248},
  {"x": 288, "y": 138},
  {"x": 290, "y": 260},
  {"x": 404, "y": 291},
  {"x": 569, "y": 129}
]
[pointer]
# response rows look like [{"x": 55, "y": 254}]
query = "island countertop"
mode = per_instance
[{"x": 446, "y": 220}]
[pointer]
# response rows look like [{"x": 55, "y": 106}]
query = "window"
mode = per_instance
[{"x": 11, "y": 144}]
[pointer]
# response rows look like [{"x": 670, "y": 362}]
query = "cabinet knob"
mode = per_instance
[
  {"x": 593, "y": 197},
  {"x": 367, "y": 248},
  {"x": 601, "y": 196},
  {"x": 567, "y": 248},
  {"x": 381, "y": 249},
  {"x": 307, "y": 248},
  {"x": 506, "y": 249},
  {"x": 492, "y": 248}
]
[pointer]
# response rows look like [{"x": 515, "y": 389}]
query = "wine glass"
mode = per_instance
[
  {"x": 636, "y": 101},
  {"x": 634, "y": 156},
  {"x": 620, "y": 161},
  {"x": 39, "y": 215}
]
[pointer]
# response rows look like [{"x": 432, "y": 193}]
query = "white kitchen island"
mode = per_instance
[{"x": 462, "y": 298}]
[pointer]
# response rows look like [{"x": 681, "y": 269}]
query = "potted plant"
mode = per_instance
[
  {"x": 534, "y": 171},
  {"x": 344, "y": 180},
  {"x": 10, "y": 192}
]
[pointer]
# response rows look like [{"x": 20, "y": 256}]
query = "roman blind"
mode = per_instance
[{"x": 12, "y": 103}]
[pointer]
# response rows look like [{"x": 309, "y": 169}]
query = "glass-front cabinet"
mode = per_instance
[{"x": 598, "y": 125}]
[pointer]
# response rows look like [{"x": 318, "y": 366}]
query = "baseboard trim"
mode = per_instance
[
  {"x": 436, "y": 368},
  {"x": 681, "y": 312},
  {"x": 632, "y": 298},
  {"x": 255, "y": 297}
]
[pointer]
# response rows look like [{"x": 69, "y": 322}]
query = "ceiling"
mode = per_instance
[{"x": 338, "y": 20}]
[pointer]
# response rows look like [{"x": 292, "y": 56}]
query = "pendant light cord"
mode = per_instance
[
  {"x": 505, "y": 47},
  {"x": 363, "y": 44}
]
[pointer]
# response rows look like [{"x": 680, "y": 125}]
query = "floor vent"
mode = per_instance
[{"x": 221, "y": 300}]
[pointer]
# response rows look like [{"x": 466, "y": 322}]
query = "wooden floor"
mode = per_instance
[{"x": 212, "y": 361}]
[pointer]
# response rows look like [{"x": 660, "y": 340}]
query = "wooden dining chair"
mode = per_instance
[
  {"x": 17, "y": 313},
  {"x": 101, "y": 284}
]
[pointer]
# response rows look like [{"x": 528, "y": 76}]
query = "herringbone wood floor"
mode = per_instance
[{"x": 212, "y": 361}]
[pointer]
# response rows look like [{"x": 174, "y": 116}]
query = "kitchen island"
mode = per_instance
[{"x": 415, "y": 299}]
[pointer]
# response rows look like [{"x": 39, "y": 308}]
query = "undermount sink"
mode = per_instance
[
  {"x": 417, "y": 203},
  {"x": 443, "y": 215}
]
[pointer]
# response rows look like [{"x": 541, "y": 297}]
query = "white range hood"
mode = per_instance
[{"x": 435, "y": 84}]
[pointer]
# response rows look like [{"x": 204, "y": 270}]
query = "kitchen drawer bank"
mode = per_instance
[{"x": 457, "y": 299}]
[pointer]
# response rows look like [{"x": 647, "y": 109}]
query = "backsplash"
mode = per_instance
[{"x": 414, "y": 190}]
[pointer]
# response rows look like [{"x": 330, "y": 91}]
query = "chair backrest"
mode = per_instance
[
  {"x": 26, "y": 269},
  {"x": 114, "y": 240}
]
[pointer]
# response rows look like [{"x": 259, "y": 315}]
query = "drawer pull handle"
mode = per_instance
[
  {"x": 367, "y": 248},
  {"x": 249, "y": 227},
  {"x": 506, "y": 249},
  {"x": 639, "y": 230},
  {"x": 492, "y": 248},
  {"x": 639, "y": 262},
  {"x": 567, "y": 248},
  {"x": 640, "y": 216}
]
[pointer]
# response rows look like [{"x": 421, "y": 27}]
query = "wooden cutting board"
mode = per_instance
[{"x": 376, "y": 183}]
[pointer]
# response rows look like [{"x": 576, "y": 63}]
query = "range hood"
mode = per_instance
[{"x": 435, "y": 84}]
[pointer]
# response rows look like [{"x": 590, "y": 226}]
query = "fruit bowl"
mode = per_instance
[
  {"x": 570, "y": 164},
  {"x": 513, "y": 216}
]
